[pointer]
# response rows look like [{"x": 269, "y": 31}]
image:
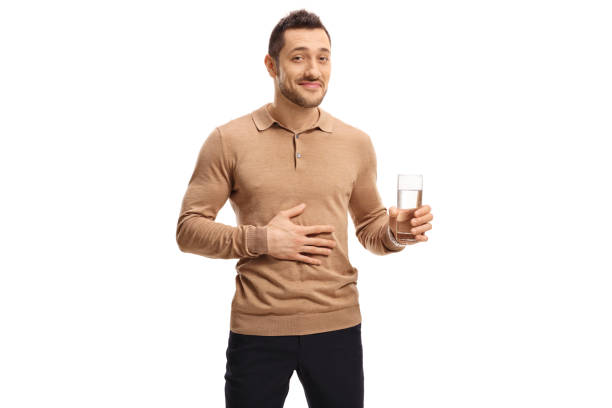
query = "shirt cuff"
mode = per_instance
[
  {"x": 391, "y": 243},
  {"x": 257, "y": 240}
]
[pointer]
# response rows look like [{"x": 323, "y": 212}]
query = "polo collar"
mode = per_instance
[{"x": 264, "y": 120}]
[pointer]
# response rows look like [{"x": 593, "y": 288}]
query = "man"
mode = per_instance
[{"x": 291, "y": 171}]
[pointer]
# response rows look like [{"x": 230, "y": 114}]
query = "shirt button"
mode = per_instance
[{"x": 299, "y": 155}]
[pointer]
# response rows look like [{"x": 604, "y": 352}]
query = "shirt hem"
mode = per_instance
[{"x": 299, "y": 324}]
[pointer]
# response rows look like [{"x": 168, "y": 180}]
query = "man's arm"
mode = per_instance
[
  {"x": 367, "y": 211},
  {"x": 208, "y": 190}
]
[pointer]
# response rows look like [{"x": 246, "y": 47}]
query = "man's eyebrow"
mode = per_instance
[{"x": 306, "y": 49}]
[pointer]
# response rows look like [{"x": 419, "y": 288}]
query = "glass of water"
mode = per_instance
[{"x": 409, "y": 199}]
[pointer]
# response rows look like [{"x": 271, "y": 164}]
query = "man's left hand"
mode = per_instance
[{"x": 420, "y": 222}]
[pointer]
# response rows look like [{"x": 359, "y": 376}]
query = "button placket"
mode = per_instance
[{"x": 298, "y": 154}]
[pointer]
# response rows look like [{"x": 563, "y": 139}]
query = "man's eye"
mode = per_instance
[{"x": 322, "y": 58}]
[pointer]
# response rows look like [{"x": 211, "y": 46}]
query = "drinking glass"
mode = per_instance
[{"x": 409, "y": 198}]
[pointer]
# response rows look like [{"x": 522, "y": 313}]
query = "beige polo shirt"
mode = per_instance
[{"x": 263, "y": 167}]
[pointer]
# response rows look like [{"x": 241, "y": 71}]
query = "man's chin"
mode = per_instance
[
  {"x": 312, "y": 104},
  {"x": 307, "y": 104},
  {"x": 302, "y": 101}
]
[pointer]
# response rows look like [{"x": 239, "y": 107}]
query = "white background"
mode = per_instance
[{"x": 504, "y": 107}]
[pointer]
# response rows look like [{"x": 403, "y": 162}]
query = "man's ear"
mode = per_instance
[{"x": 271, "y": 66}]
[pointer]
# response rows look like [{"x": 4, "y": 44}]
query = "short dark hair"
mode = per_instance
[{"x": 295, "y": 19}]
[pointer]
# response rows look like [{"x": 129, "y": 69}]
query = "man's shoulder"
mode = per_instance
[
  {"x": 353, "y": 132},
  {"x": 346, "y": 127},
  {"x": 238, "y": 132},
  {"x": 242, "y": 123}
]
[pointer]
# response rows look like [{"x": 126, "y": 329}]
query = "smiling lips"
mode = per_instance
[{"x": 310, "y": 85}]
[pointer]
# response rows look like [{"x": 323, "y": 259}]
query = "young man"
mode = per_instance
[{"x": 291, "y": 172}]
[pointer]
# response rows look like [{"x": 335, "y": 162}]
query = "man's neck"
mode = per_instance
[{"x": 292, "y": 116}]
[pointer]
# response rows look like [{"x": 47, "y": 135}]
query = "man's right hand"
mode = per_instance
[{"x": 287, "y": 240}]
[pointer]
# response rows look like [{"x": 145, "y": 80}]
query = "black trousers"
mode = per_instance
[{"x": 329, "y": 366}]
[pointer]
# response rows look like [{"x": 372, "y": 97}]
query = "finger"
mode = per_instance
[
  {"x": 421, "y": 238},
  {"x": 421, "y": 229},
  {"x": 293, "y": 211},
  {"x": 422, "y": 210},
  {"x": 393, "y": 211},
  {"x": 308, "y": 260},
  {"x": 315, "y": 250},
  {"x": 422, "y": 220},
  {"x": 320, "y": 242},
  {"x": 317, "y": 229}
]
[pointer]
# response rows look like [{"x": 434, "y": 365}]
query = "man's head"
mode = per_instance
[{"x": 300, "y": 51}]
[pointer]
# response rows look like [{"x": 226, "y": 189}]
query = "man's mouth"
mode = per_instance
[{"x": 310, "y": 85}]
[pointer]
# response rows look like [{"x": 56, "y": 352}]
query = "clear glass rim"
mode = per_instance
[{"x": 410, "y": 181}]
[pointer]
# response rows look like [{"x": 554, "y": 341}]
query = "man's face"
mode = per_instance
[{"x": 304, "y": 66}]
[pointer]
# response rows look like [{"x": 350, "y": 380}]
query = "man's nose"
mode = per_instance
[{"x": 312, "y": 70}]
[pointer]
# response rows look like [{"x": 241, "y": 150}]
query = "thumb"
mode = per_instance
[{"x": 393, "y": 211}]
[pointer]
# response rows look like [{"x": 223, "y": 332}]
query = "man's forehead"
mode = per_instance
[
  {"x": 303, "y": 48},
  {"x": 306, "y": 39}
]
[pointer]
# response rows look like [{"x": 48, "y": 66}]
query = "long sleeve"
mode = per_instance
[
  {"x": 370, "y": 217},
  {"x": 208, "y": 190}
]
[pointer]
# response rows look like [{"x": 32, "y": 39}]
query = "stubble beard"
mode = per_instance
[{"x": 296, "y": 97}]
